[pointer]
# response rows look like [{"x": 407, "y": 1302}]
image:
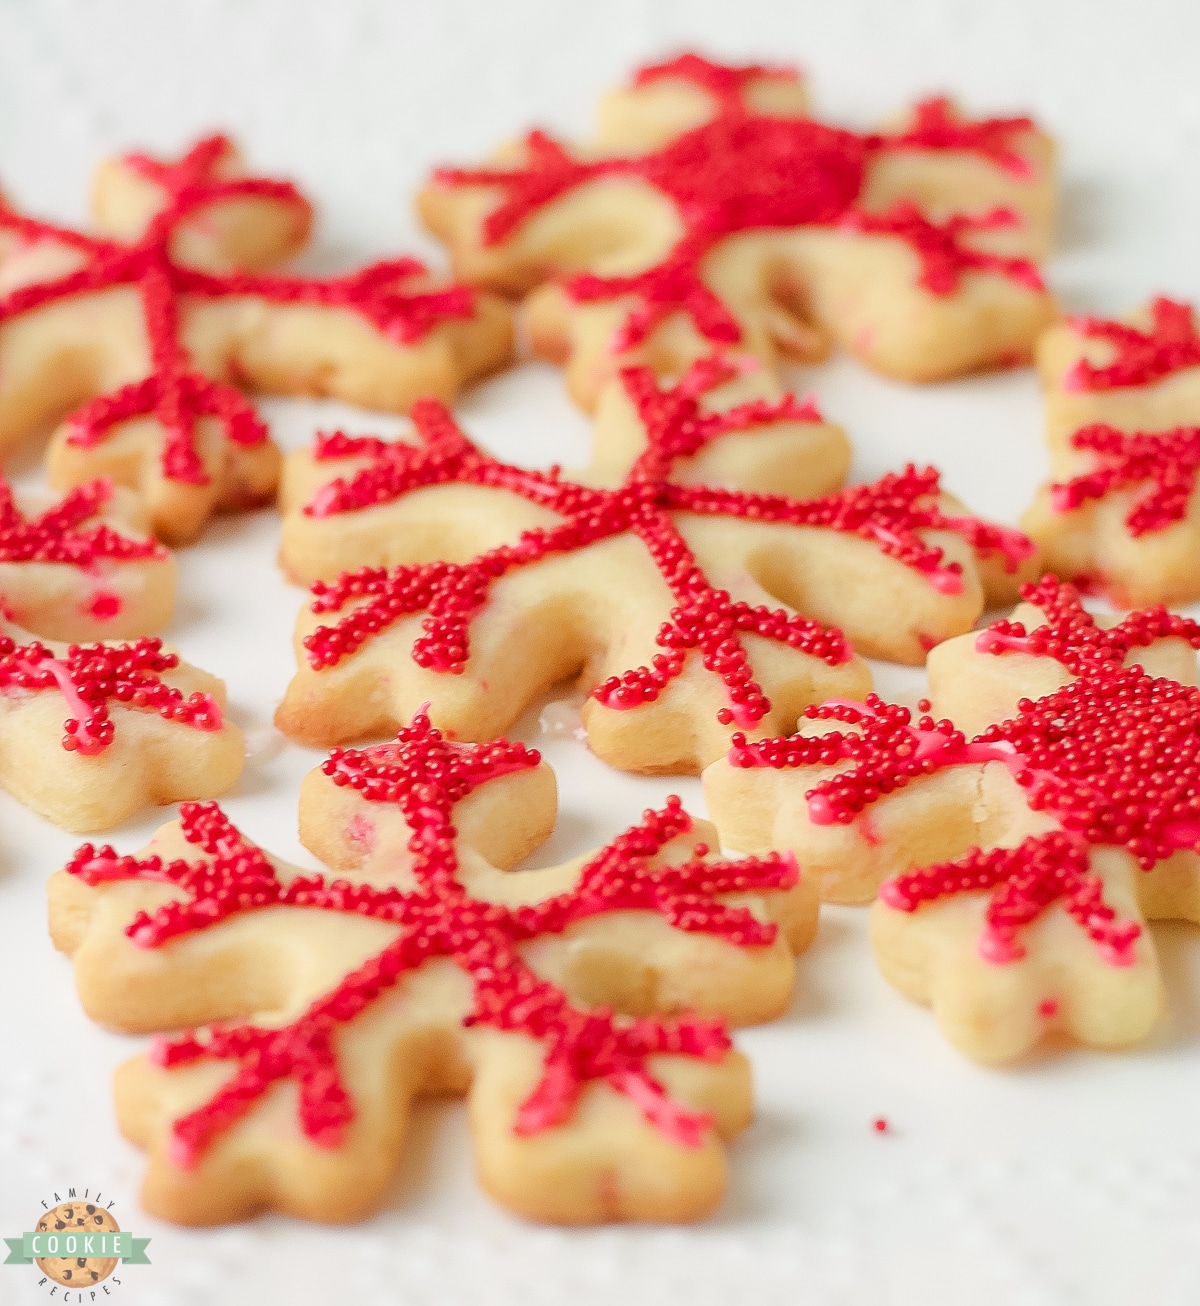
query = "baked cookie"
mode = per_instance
[
  {"x": 150, "y": 324},
  {"x": 1123, "y": 423},
  {"x": 659, "y": 596},
  {"x": 1074, "y": 765},
  {"x": 713, "y": 210},
  {"x": 89, "y": 734},
  {"x": 342, "y": 508},
  {"x": 83, "y": 568},
  {"x": 581, "y": 1009},
  {"x": 78, "y": 1218}
]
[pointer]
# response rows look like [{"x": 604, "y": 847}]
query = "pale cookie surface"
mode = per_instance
[
  {"x": 149, "y": 324},
  {"x": 328, "y": 1004},
  {"x": 713, "y": 210},
  {"x": 83, "y": 568},
  {"x": 1122, "y": 511},
  {"x": 1076, "y": 771},
  {"x": 92, "y": 733},
  {"x": 660, "y": 596}
]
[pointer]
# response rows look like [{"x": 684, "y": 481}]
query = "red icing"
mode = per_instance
[
  {"x": 1139, "y": 357},
  {"x": 1165, "y": 460},
  {"x": 1114, "y": 756},
  {"x": 91, "y": 676},
  {"x": 742, "y": 171},
  {"x": 425, "y": 776},
  {"x": 892, "y": 513},
  {"x": 59, "y": 534},
  {"x": 174, "y": 392}
]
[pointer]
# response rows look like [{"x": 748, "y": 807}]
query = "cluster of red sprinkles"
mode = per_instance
[
  {"x": 1114, "y": 756},
  {"x": 743, "y": 170},
  {"x": 91, "y": 676},
  {"x": 1024, "y": 881},
  {"x": 174, "y": 392},
  {"x": 425, "y": 775},
  {"x": 940, "y": 251},
  {"x": 892, "y": 513},
  {"x": 1139, "y": 357},
  {"x": 59, "y": 534},
  {"x": 1071, "y": 635},
  {"x": 887, "y": 748},
  {"x": 1166, "y": 461}
]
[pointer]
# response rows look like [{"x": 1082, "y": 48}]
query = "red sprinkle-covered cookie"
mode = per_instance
[
  {"x": 713, "y": 210},
  {"x": 1020, "y": 842},
  {"x": 581, "y": 1009},
  {"x": 662, "y": 596}
]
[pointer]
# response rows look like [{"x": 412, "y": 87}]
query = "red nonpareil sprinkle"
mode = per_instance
[
  {"x": 60, "y": 535},
  {"x": 880, "y": 1125},
  {"x": 174, "y": 392},
  {"x": 1165, "y": 461},
  {"x": 104, "y": 605},
  {"x": 92, "y": 676},
  {"x": 892, "y": 514},
  {"x": 743, "y": 171},
  {"x": 425, "y": 776},
  {"x": 1139, "y": 357}
]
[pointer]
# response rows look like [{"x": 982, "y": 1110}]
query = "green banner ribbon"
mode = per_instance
[{"x": 32, "y": 1246}]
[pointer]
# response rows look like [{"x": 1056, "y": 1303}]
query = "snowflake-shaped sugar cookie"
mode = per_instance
[
  {"x": 91, "y": 733},
  {"x": 1020, "y": 843},
  {"x": 581, "y": 1008},
  {"x": 150, "y": 325},
  {"x": 1123, "y": 423},
  {"x": 713, "y": 210},
  {"x": 659, "y": 595}
]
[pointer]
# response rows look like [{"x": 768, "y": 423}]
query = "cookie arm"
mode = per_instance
[
  {"x": 149, "y": 761},
  {"x": 607, "y": 1162}
]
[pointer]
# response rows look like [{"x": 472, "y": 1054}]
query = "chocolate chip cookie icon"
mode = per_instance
[{"x": 72, "y": 1222}]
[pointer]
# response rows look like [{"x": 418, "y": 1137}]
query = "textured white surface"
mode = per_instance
[{"x": 1074, "y": 1179}]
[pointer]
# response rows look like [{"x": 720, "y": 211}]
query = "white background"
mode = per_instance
[{"x": 1075, "y": 1179}]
